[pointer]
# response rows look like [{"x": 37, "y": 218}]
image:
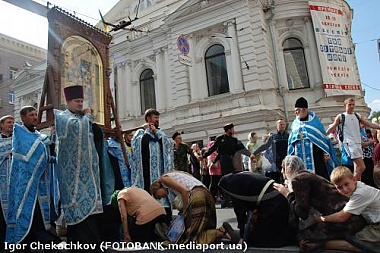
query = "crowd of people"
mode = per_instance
[{"x": 289, "y": 190}]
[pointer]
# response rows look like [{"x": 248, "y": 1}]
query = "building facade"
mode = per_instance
[
  {"x": 15, "y": 56},
  {"x": 206, "y": 63},
  {"x": 28, "y": 86}
]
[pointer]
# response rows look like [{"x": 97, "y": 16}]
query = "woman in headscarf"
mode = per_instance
[{"x": 308, "y": 195}]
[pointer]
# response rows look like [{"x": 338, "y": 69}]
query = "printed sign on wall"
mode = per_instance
[{"x": 336, "y": 52}]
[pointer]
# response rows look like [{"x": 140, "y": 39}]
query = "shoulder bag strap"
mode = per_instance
[{"x": 261, "y": 197}]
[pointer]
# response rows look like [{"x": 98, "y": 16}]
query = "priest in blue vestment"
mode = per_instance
[
  {"x": 28, "y": 217},
  {"x": 78, "y": 169},
  {"x": 308, "y": 140},
  {"x": 121, "y": 169},
  {"x": 6, "y": 128},
  {"x": 152, "y": 153}
]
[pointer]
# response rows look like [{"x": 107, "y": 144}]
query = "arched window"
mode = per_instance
[
  {"x": 216, "y": 70},
  {"x": 295, "y": 64},
  {"x": 144, "y": 4},
  {"x": 147, "y": 92}
]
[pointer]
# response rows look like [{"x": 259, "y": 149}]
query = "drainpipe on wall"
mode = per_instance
[{"x": 271, "y": 8}]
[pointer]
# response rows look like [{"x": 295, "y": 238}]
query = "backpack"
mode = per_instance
[{"x": 341, "y": 125}]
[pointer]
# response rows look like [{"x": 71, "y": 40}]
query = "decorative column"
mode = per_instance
[
  {"x": 193, "y": 75},
  {"x": 237, "y": 79},
  {"x": 128, "y": 95},
  {"x": 121, "y": 90},
  {"x": 169, "y": 103},
  {"x": 160, "y": 86},
  {"x": 312, "y": 55},
  {"x": 136, "y": 101}
]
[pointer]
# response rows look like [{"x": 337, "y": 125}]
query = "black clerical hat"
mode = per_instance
[
  {"x": 73, "y": 92},
  {"x": 301, "y": 103}
]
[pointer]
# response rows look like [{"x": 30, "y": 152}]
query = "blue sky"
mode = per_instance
[
  {"x": 13, "y": 19},
  {"x": 365, "y": 32}
]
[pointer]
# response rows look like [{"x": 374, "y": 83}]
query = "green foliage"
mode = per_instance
[{"x": 375, "y": 115}]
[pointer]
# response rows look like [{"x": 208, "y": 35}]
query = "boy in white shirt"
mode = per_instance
[{"x": 364, "y": 200}]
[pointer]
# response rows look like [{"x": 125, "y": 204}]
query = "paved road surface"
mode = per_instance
[{"x": 227, "y": 214}]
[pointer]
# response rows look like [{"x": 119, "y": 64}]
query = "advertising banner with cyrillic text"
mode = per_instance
[{"x": 336, "y": 52}]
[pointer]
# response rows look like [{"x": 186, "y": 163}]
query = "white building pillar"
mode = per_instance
[
  {"x": 128, "y": 95},
  {"x": 121, "y": 90},
  {"x": 237, "y": 79},
  {"x": 169, "y": 102},
  {"x": 311, "y": 54},
  {"x": 193, "y": 74},
  {"x": 135, "y": 88},
  {"x": 160, "y": 86}
]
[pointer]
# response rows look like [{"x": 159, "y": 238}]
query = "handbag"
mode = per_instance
[
  {"x": 254, "y": 215},
  {"x": 265, "y": 164},
  {"x": 176, "y": 228}
]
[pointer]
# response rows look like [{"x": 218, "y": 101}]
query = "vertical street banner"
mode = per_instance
[{"x": 335, "y": 50}]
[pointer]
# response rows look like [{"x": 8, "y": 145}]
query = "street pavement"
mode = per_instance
[
  {"x": 225, "y": 215},
  {"x": 228, "y": 215}
]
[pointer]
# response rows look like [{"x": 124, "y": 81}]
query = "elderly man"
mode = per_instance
[
  {"x": 278, "y": 142},
  {"x": 78, "y": 169},
  {"x": 6, "y": 128},
  {"x": 309, "y": 141},
  {"x": 28, "y": 218}
]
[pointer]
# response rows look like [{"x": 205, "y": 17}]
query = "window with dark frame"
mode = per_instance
[
  {"x": 216, "y": 70},
  {"x": 147, "y": 90},
  {"x": 11, "y": 97},
  {"x": 12, "y": 73},
  {"x": 295, "y": 64}
]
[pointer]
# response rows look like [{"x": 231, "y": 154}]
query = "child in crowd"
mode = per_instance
[{"x": 363, "y": 200}]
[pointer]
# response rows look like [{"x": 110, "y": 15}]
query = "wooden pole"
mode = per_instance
[{"x": 117, "y": 130}]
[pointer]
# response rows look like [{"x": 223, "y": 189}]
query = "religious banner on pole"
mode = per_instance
[{"x": 336, "y": 51}]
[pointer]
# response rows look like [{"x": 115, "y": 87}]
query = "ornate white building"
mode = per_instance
[
  {"x": 15, "y": 56},
  {"x": 247, "y": 62},
  {"x": 27, "y": 87},
  {"x": 241, "y": 61}
]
